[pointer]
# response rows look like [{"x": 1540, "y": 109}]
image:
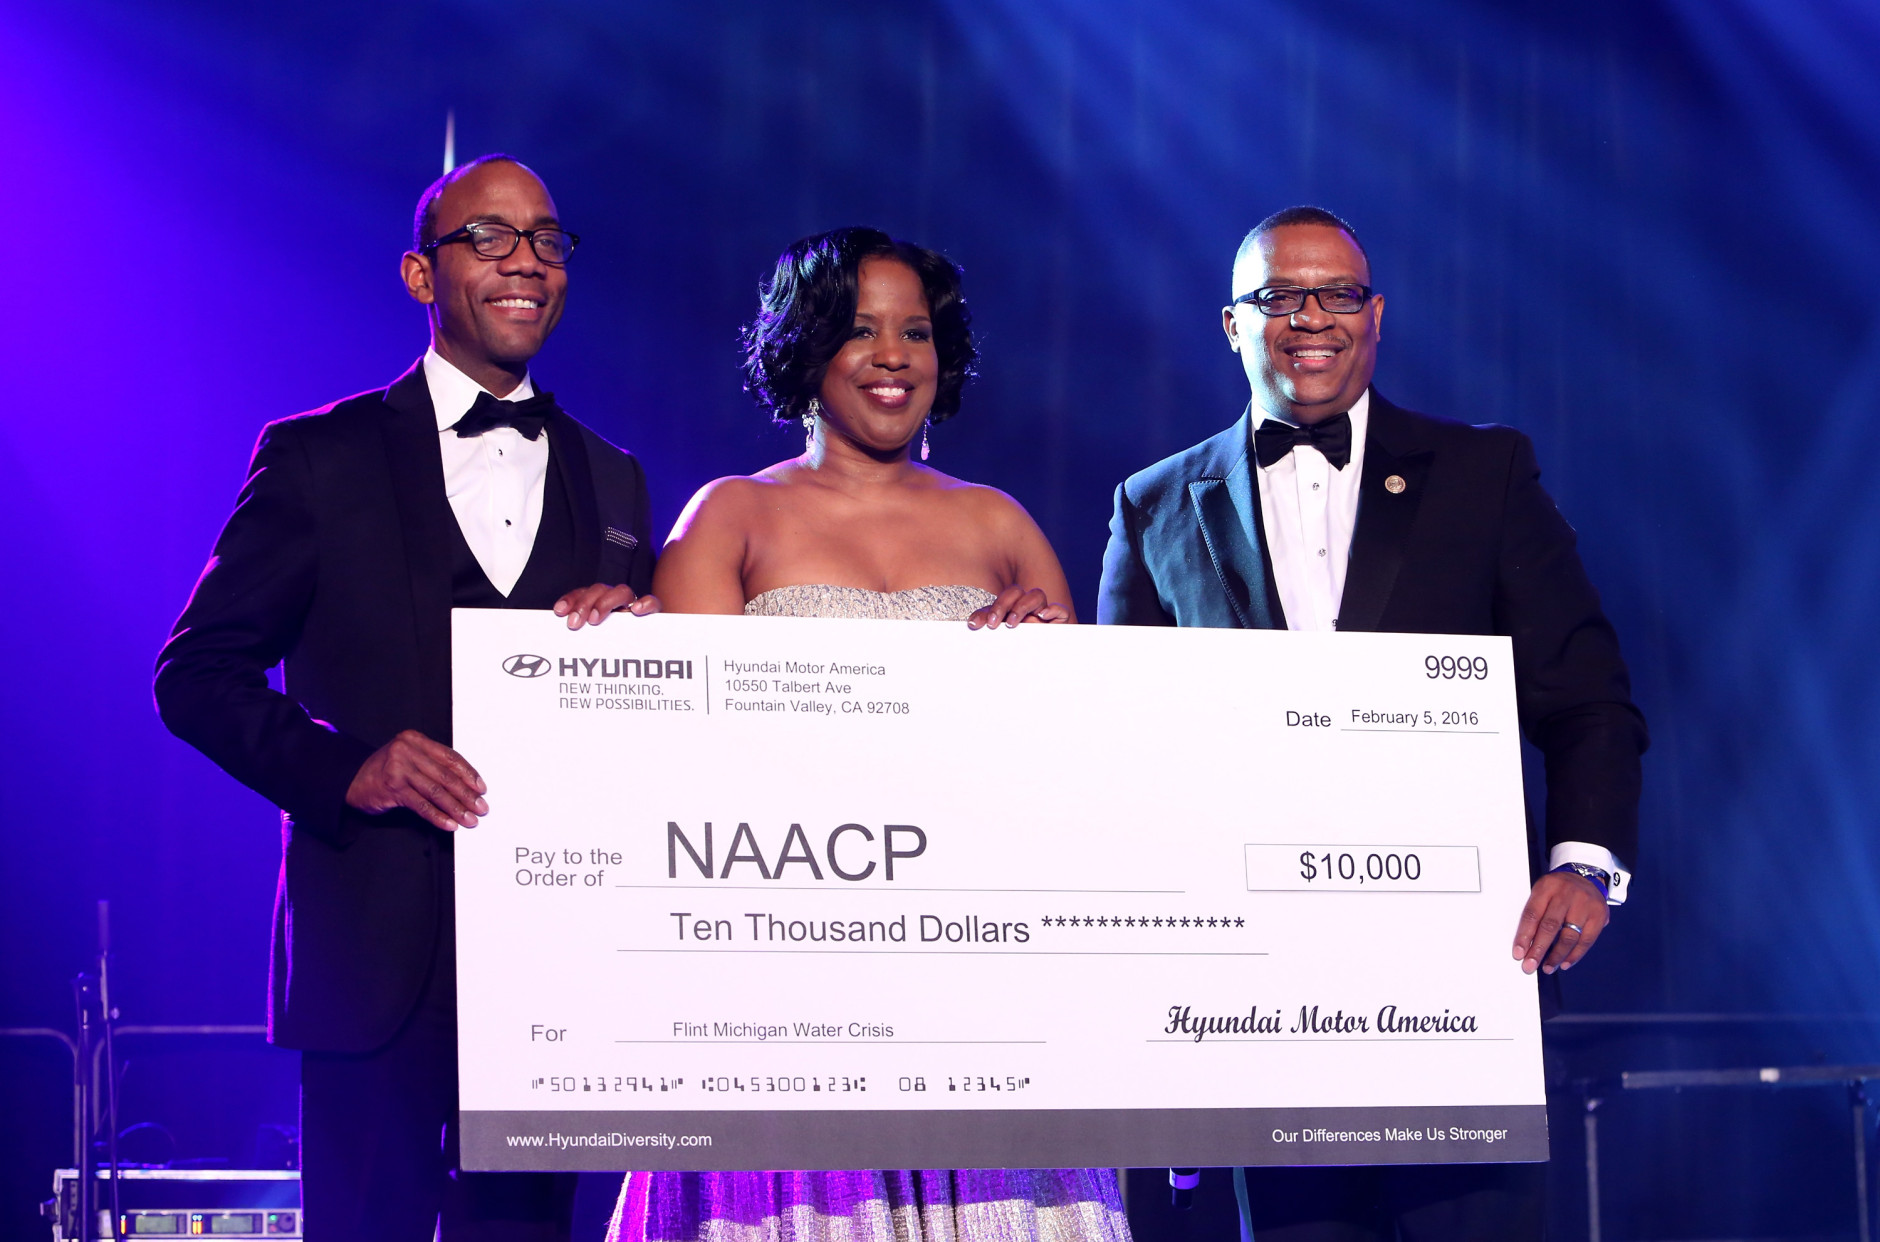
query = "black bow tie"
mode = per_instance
[
  {"x": 1273, "y": 439},
  {"x": 527, "y": 416}
]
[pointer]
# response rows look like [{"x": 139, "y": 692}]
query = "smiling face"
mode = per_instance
[
  {"x": 1311, "y": 364},
  {"x": 490, "y": 316},
  {"x": 880, "y": 385}
]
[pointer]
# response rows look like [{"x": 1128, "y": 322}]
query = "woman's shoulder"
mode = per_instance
[
  {"x": 979, "y": 501},
  {"x": 735, "y": 494},
  {"x": 726, "y": 508}
]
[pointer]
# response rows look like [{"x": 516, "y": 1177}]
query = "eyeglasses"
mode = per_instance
[
  {"x": 499, "y": 241},
  {"x": 1277, "y": 300}
]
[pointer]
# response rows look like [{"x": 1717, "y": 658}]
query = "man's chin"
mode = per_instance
[
  {"x": 511, "y": 353},
  {"x": 1309, "y": 405}
]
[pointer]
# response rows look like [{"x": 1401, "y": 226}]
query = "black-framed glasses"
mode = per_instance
[
  {"x": 1277, "y": 300},
  {"x": 499, "y": 241}
]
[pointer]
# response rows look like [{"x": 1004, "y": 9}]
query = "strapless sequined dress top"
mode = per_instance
[
  {"x": 933, "y": 603},
  {"x": 872, "y": 1205}
]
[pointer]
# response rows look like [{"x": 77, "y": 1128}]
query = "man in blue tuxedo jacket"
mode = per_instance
[{"x": 1327, "y": 507}]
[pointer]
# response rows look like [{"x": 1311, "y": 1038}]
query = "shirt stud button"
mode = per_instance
[
  {"x": 1321, "y": 551},
  {"x": 507, "y": 522}
]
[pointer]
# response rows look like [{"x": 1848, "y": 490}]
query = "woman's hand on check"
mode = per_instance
[{"x": 1017, "y": 605}]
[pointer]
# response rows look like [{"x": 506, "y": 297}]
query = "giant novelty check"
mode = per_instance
[{"x": 791, "y": 893}]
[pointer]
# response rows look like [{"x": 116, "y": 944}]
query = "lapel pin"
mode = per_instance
[{"x": 1394, "y": 484}]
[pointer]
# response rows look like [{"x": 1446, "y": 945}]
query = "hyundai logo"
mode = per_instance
[{"x": 526, "y": 666}]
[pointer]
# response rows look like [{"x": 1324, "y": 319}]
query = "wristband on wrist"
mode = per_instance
[{"x": 1597, "y": 876}]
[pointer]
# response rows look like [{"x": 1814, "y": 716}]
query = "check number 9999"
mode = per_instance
[{"x": 1307, "y": 868}]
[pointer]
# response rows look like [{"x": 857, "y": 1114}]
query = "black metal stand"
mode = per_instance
[
  {"x": 96, "y": 1019},
  {"x": 1853, "y": 1077},
  {"x": 85, "y": 993},
  {"x": 1589, "y": 1104},
  {"x": 1857, "y": 1104}
]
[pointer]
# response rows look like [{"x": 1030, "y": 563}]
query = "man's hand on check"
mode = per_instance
[
  {"x": 591, "y": 605},
  {"x": 420, "y": 775},
  {"x": 1563, "y": 917}
]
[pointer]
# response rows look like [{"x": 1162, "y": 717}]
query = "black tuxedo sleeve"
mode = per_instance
[
  {"x": 1126, "y": 594},
  {"x": 625, "y": 508},
  {"x": 243, "y": 617},
  {"x": 1571, "y": 684},
  {"x": 640, "y": 568}
]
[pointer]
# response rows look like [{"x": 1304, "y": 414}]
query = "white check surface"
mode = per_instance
[{"x": 1157, "y": 896}]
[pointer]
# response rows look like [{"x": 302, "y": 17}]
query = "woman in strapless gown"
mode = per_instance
[{"x": 865, "y": 341}]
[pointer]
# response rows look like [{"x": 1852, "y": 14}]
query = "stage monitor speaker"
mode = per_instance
[{"x": 185, "y": 1203}]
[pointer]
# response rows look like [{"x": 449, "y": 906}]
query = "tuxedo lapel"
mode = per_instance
[
  {"x": 1228, "y": 510},
  {"x": 426, "y": 526},
  {"x": 1386, "y": 514}
]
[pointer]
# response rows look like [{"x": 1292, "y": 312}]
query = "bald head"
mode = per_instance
[{"x": 424, "y": 220}]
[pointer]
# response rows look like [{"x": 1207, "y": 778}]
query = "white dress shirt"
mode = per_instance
[
  {"x": 494, "y": 481},
  {"x": 1309, "y": 511}
]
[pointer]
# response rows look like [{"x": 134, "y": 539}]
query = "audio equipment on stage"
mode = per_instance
[{"x": 188, "y": 1203}]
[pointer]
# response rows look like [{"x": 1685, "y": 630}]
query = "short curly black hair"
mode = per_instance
[
  {"x": 1296, "y": 215},
  {"x": 806, "y": 311}
]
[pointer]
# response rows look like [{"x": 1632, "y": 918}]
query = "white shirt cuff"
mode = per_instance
[{"x": 1594, "y": 856}]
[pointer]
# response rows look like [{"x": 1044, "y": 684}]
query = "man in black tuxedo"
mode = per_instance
[
  {"x": 361, "y": 526},
  {"x": 1327, "y": 507}
]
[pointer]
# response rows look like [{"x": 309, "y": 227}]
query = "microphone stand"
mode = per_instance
[
  {"x": 92, "y": 993},
  {"x": 110, "y": 1059},
  {"x": 84, "y": 990}
]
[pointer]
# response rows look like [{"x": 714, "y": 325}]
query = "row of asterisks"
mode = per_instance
[{"x": 1085, "y": 920}]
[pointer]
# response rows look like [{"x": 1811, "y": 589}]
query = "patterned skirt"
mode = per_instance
[{"x": 897, "y": 1205}]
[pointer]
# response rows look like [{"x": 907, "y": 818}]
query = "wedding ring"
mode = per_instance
[{"x": 1575, "y": 928}]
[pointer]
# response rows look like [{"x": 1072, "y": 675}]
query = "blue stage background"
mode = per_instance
[{"x": 1643, "y": 231}]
